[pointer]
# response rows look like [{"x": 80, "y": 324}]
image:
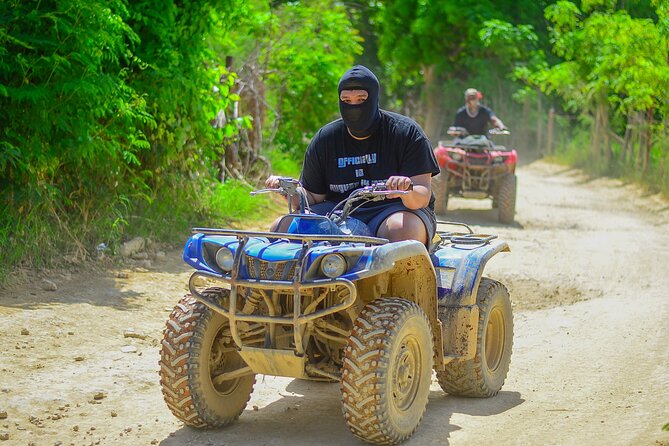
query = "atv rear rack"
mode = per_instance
[{"x": 461, "y": 238}]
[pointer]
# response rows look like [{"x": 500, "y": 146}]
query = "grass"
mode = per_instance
[
  {"x": 576, "y": 152},
  {"x": 283, "y": 164},
  {"x": 42, "y": 234}
]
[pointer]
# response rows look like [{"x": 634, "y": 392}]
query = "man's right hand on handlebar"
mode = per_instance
[
  {"x": 272, "y": 182},
  {"x": 275, "y": 182}
]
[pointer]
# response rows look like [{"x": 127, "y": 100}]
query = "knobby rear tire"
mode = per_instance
[
  {"x": 484, "y": 375},
  {"x": 506, "y": 198}
]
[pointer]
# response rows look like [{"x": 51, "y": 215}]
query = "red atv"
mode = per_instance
[{"x": 472, "y": 166}]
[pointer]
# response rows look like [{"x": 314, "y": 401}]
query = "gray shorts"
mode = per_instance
[{"x": 374, "y": 216}]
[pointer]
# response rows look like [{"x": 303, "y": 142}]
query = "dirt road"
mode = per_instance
[{"x": 587, "y": 274}]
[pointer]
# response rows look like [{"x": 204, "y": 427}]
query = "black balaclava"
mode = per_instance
[{"x": 361, "y": 119}]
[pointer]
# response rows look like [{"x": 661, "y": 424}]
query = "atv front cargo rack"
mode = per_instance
[
  {"x": 301, "y": 237},
  {"x": 298, "y": 319}
]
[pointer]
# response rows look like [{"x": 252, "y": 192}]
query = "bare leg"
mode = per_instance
[
  {"x": 281, "y": 224},
  {"x": 403, "y": 226}
]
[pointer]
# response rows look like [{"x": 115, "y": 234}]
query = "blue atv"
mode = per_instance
[{"x": 326, "y": 301}]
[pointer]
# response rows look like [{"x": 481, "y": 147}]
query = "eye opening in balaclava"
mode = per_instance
[{"x": 361, "y": 119}]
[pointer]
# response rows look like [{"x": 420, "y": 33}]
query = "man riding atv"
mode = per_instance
[
  {"x": 474, "y": 117},
  {"x": 367, "y": 146},
  {"x": 472, "y": 166}
]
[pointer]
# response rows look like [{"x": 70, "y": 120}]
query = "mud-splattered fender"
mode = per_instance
[
  {"x": 468, "y": 263},
  {"x": 403, "y": 269},
  {"x": 458, "y": 311},
  {"x": 383, "y": 258}
]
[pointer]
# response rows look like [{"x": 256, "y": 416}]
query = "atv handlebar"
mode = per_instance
[
  {"x": 461, "y": 132},
  {"x": 289, "y": 187},
  {"x": 366, "y": 194}
]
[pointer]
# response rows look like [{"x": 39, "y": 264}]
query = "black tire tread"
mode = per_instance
[
  {"x": 180, "y": 377},
  {"x": 506, "y": 198},
  {"x": 362, "y": 385}
]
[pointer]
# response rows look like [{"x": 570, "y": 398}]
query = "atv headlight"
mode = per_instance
[
  {"x": 333, "y": 265},
  {"x": 225, "y": 259},
  {"x": 456, "y": 156},
  {"x": 498, "y": 160}
]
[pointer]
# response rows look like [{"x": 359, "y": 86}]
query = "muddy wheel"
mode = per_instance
[
  {"x": 387, "y": 371},
  {"x": 440, "y": 190},
  {"x": 484, "y": 375},
  {"x": 196, "y": 353},
  {"x": 506, "y": 198}
]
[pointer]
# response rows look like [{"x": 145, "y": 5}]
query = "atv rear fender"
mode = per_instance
[{"x": 459, "y": 271}]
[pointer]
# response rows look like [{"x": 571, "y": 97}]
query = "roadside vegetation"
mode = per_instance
[{"x": 123, "y": 118}]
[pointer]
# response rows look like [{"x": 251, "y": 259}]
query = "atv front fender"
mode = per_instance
[{"x": 403, "y": 269}]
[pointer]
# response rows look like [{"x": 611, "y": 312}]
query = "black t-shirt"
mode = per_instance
[
  {"x": 477, "y": 125},
  {"x": 335, "y": 163}
]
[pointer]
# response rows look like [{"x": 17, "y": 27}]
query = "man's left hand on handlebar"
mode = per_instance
[{"x": 398, "y": 183}]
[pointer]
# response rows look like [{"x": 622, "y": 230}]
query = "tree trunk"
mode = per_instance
[
  {"x": 434, "y": 113},
  {"x": 665, "y": 152},
  {"x": 649, "y": 128},
  {"x": 640, "y": 143},
  {"x": 525, "y": 131},
  {"x": 594, "y": 145},
  {"x": 626, "y": 140},
  {"x": 540, "y": 118},
  {"x": 608, "y": 154},
  {"x": 549, "y": 131}
]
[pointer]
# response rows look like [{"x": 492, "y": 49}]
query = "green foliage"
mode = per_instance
[
  {"x": 614, "y": 74},
  {"x": 179, "y": 67},
  {"x": 315, "y": 45},
  {"x": 72, "y": 127},
  {"x": 195, "y": 204},
  {"x": 608, "y": 56},
  {"x": 284, "y": 164},
  {"x": 298, "y": 51},
  {"x": 103, "y": 105},
  {"x": 457, "y": 36},
  {"x": 65, "y": 102}
]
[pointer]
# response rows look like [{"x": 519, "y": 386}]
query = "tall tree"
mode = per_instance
[
  {"x": 289, "y": 68},
  {"x": 428, "y": 44},
  {"x": 613, "y": 65}
]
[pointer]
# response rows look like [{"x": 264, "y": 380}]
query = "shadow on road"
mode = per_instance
[
  {"x": 100, "y": 291},
  {"x": 479, "y": 217},
  {"x": 437, "y": 424},
  {"x": 310, "y": 413},
  {"x": 108, "y": 285}
]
